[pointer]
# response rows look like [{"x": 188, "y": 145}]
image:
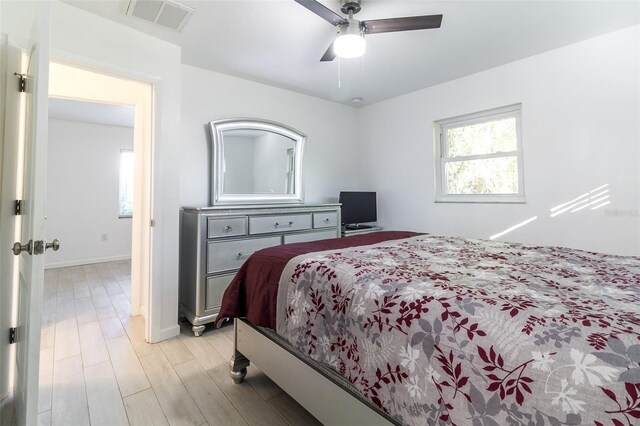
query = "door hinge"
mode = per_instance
[
  {"x": 17, "y": 209},
  {"x": 152, "y": 223},
  {"x": 22, "y": 82},
  {"x": 12, "y": 335}
]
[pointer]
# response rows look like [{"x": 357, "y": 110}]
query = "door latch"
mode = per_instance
[
  {"x": 12, "y": 335},
  {"x": 38, "y": 247}
]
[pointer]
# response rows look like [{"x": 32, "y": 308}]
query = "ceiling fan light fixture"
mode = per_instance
[{"x": 350, "y": 42}]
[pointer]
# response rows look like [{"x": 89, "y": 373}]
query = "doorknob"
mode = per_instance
[
  {"x": 19, "y": 248},
  {"x": 55, "y": 245}
]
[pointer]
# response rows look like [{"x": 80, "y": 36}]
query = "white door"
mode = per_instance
[
  {"x": 8, "y": 195},
  {"x": 32, "y": 222}
]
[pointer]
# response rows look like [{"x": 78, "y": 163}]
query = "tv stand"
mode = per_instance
[
  {"x": 356, "y": 226},
  {"x": 361, "y": 229}
]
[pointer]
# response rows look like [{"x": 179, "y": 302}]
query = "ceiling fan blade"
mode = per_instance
[
  {"x": 322, "y": 11},
  {"x": 408, "y": 23},
  {"x": 328, "y": 55}
]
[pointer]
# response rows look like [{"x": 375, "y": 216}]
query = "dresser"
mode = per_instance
[{"x": 215, "y": 242}]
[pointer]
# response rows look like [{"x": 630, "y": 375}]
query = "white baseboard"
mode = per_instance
[{"x": 79, "y": 262}]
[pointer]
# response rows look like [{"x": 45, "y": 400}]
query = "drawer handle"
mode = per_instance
[
  {"x": 228, "y": 228},
  {"x": 286, "y": 224},
  {"x": 327, "y": 220},
  {"x": 244, "y": 255}
]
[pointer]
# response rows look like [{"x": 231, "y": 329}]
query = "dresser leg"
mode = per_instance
[{"x": 197, "y": 330}]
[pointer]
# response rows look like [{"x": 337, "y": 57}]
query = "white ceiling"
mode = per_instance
[
  {"x": 280, "y": 43},
  {"x": 91, "y": 112}
]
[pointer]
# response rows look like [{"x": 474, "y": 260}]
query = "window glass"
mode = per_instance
[
  {"x": 488, "y": 176},
  {"x": 480, "y": 157},
  {"x": 127, "y": 168},
  {"x": 482, "y": 138}
]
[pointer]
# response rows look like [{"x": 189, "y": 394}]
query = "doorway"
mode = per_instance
[
  {"x": 89, "y": 193},
  {"x": 100, "y": 287},
  {"x": 71, "y": 82}
]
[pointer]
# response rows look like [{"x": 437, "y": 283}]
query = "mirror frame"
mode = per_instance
[{"x": 218, "y": 197}]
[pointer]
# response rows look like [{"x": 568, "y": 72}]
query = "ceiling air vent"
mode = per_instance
[{"x": 167, "y": 13}]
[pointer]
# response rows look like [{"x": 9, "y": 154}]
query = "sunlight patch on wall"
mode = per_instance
[
  {"x": 514, "y": 227},
  {"x": 595, "y": 199}
]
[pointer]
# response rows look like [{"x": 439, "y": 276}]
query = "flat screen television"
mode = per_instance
[{"x": 358, "y": 207}]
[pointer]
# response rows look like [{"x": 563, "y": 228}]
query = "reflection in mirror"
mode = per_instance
[{"x": 256, "y": 162}]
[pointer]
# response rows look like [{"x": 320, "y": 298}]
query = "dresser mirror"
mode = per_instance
[{"x": 255, "y": 162}]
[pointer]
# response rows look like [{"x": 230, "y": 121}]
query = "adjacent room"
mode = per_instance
[
  {"x": 302, "y": 212},
  {"x": 91, "y": 153}
]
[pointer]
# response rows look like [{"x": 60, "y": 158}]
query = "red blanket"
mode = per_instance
[{"x": 253, "y": 292}]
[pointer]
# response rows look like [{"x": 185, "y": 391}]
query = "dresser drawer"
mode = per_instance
[
  {"x": 215, "y": 290},
  {"x": 325, "y": 219},
  {"x": 266, "y": 224},
  {"x": 226, "y": 226},
  {"x": 310, "y": 236},
  {"x": 229, "y": 255}
]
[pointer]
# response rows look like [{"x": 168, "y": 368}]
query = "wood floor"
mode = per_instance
[{"x": 96, "y": 368}]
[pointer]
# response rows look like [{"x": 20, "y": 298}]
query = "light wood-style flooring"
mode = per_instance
[{"x": 96, "y": 368}]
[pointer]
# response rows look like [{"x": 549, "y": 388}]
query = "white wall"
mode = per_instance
[
  {"x": 83, "y": 163},
  {"x": 580, "y": 115},
  {"x": 329, "y": 154}
]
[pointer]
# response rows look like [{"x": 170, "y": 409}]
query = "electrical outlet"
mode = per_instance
[{"x": 105, "y": 237}]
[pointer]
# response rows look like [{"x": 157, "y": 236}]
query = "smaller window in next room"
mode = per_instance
[
  {"x": 479, "y": 157},
  {"x": 127, "y": 167}
]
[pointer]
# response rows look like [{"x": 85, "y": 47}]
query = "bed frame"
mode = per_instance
[{"x": 326, "y": 400}]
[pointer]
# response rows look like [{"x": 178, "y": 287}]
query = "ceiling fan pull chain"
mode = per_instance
[{"x": 339, "y": 76}]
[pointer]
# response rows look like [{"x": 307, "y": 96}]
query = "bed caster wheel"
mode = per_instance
[
  {"x": 198, "y": 330},
  {"x": 238, "y": 376}
]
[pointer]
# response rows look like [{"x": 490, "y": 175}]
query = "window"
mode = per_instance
[
  {"x": 479, "y": 157},
  {"x": 127, "y": 167}
]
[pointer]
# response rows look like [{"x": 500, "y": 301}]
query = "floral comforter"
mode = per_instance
[{"x": 441, "y": 330}]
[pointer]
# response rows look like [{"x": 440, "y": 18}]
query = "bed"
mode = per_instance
[{"x": 402, "y": 328}]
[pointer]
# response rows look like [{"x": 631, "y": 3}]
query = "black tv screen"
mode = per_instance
[{"x": 358, "y": 207}]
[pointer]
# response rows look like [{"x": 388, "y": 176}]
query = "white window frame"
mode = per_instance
[{"x": 441, "y": 158}]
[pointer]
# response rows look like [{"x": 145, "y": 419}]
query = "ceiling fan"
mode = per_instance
[{"x": 350, "y": 43}]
